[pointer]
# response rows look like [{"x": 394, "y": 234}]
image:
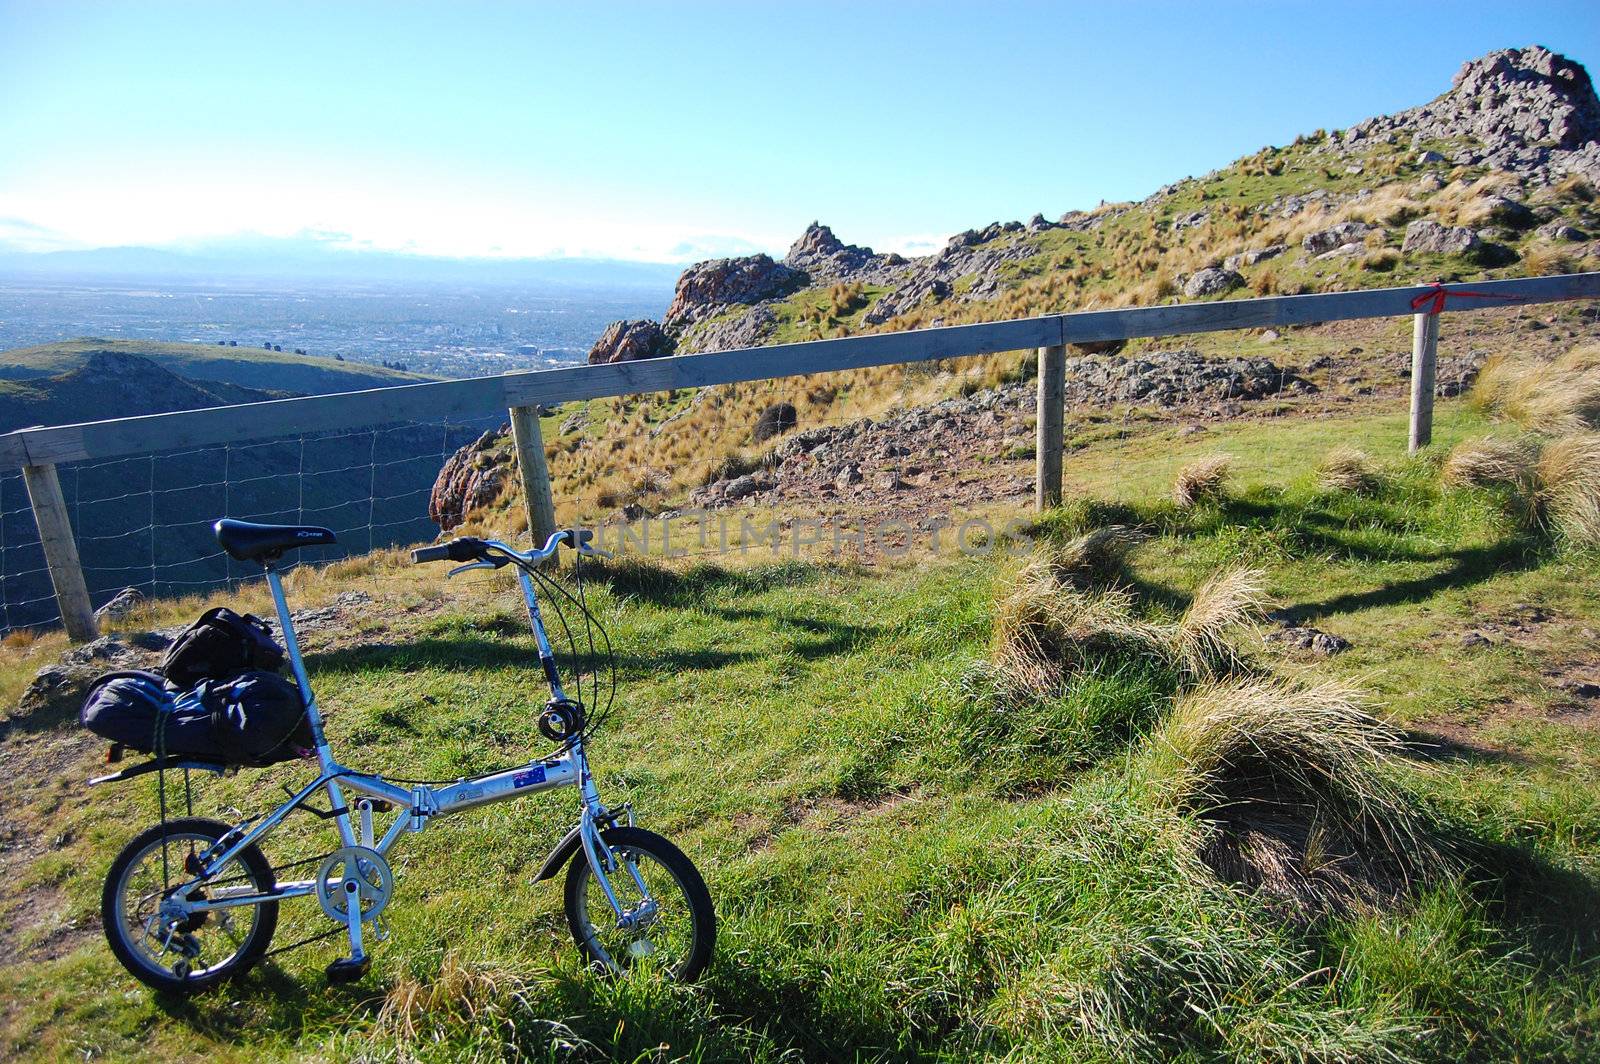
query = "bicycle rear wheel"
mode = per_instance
[
  {"x": 199, "y": 952},
  {"x": 667, "y": 922}
]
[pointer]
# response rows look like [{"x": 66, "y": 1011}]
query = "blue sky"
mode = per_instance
[{"x": 674, "y": 131}]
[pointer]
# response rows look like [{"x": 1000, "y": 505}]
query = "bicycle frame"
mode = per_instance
[{"x": 416, "y": 806}]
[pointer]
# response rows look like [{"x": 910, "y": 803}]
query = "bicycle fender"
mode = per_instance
[{"x": 558, "y": 856}]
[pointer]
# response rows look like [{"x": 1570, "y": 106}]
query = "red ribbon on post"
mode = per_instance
[{"x": 1436, "y": 295}]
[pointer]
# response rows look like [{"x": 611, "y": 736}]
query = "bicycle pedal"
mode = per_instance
[{"x": 348, "y": 970}]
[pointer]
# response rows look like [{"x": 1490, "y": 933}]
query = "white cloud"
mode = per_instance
[
  {"x": 397, "y": 214},
  {"x": 914, "y": 244}
]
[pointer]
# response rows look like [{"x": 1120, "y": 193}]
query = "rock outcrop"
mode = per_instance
[
  {"x": 706, "y": 289},
  {"x": 472, "y": 477},
  {"x": 1213, "y": 280},
  {"x": 626, "y": 341},
  {"x": 1525, "y": 109}
]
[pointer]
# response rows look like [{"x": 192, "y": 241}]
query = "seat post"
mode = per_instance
[{"x": 292, "y": 643}]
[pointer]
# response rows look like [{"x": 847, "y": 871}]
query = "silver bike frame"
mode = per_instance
[{"x": 416, "y": 806}]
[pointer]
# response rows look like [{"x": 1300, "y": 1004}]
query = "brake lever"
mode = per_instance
[
  {"x": 591, "y": 552},
  {"x": 481, "y": 564}
]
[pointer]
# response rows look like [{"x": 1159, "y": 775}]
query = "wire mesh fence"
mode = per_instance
[{"x": 145, "y": 522}]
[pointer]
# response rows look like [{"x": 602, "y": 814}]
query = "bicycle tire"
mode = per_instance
[
  {"x": 697, "y": 901},
  {"x": 112, "y": 917}
]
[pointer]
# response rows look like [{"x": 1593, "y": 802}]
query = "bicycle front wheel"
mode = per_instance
[{"x": 666, "y": 922}]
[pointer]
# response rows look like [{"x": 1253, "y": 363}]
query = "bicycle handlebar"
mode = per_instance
[{"x": 471, "y": 548}]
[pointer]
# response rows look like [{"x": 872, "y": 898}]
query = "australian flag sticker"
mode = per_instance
[{"x": 528, "y": 778}]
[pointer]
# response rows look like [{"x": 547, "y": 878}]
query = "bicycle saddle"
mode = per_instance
[{"x": 250, "y": 542}]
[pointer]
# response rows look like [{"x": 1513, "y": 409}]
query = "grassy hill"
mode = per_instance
[
  {"x": 913, "y": 860},
  {"x": 242, "y": 366}
]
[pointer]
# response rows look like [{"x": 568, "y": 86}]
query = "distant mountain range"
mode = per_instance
[{"x": 300, "y": 259}]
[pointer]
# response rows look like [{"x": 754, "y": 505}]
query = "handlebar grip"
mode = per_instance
[{"x": 431, "y": 554}]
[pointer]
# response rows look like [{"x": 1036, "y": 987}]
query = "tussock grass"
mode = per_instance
[
  {"x": 1051, "y": 623},
  {"x": 1555, "y": 484},
  {"x": 1349, "y": 469},
  {"x": 1201, "y": 480},
  {"x": 1229, "y": 603},
  {"x": 1554, "y": 397},
  {"x": 1297, "y": 781},
  {"x": 1569, "y": 493},
  {"x": 1096, "y": 557},
  {"x": 1544, "y": 259},
  {"x": 462, "y": 994},
  {"x": 1492, "y": 461},
  {"x": 1045, "y": 630}
]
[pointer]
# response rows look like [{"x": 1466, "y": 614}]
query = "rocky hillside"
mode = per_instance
[
  {"x": 1495, "y": 177},
  {"x": 1474, "y": 180}
]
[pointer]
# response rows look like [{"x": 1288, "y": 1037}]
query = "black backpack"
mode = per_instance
[{"x": 221, "y": 644}]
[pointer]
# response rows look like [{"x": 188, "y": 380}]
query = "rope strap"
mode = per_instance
[{"x": 1434, "y": 298}]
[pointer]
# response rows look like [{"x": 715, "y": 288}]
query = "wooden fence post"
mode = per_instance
[
  {"x": 60, "y": 551},
  {"x": 535, "y": 473},
  {"x": 1424, "y": 370},
  {"x": 1048, "y": 441}
]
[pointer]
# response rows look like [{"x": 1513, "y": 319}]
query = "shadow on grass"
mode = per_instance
[
  {"x": 471, "y": 654},
  {"x": 1468, "y": 566},
  {"x": 1432, "y": 748},
  {"x": 1551, "y": 911},
  {"x": 663, "y": 586}
]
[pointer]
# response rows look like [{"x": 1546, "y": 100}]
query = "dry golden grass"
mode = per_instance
[
  {"x": 1492, "y": 461},
  {"x": 1051, "y": 621},
  {"x": 479, "y": 995},
  {"x": 1296, "y": 780},
  {"x": 1542, "y": 260},
  {"x": 1349, "y": 469},
  {"x": 1569, "y": 493},
  {"x": 1204, "y": 478},
  {"x": 1554, "y": 397},
  {"x": 1224, "y": 606}
]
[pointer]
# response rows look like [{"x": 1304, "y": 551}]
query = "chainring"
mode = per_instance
[{"x": 368, "y": 876}]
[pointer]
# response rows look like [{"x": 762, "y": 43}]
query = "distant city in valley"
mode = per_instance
[{"x": 445, "y": 329}]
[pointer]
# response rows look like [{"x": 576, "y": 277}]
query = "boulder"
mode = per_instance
[
  {"x": 121, "y": 605},
  {"x": 1253, "y": 256},
  {"x": 1501, "y": 210},
  {"x": 773, "y": 421},
  {"x": 1314, "y": 640},
  {"x": 630, "y": 340},
  {"x": 1560, "y": 231},
  {"x": 1336, "y": 236},
  {"x": 1427, "y": 158},
  {"x": 58, "y": 689},
  {"x": 1211, "y": 281},
  {"x": 1428, "y": 237}
]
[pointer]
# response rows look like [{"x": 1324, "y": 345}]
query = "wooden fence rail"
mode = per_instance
[{"x": 40, "y": 449}]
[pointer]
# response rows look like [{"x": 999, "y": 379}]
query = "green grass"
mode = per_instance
[{"x": 907, "y": 868}]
